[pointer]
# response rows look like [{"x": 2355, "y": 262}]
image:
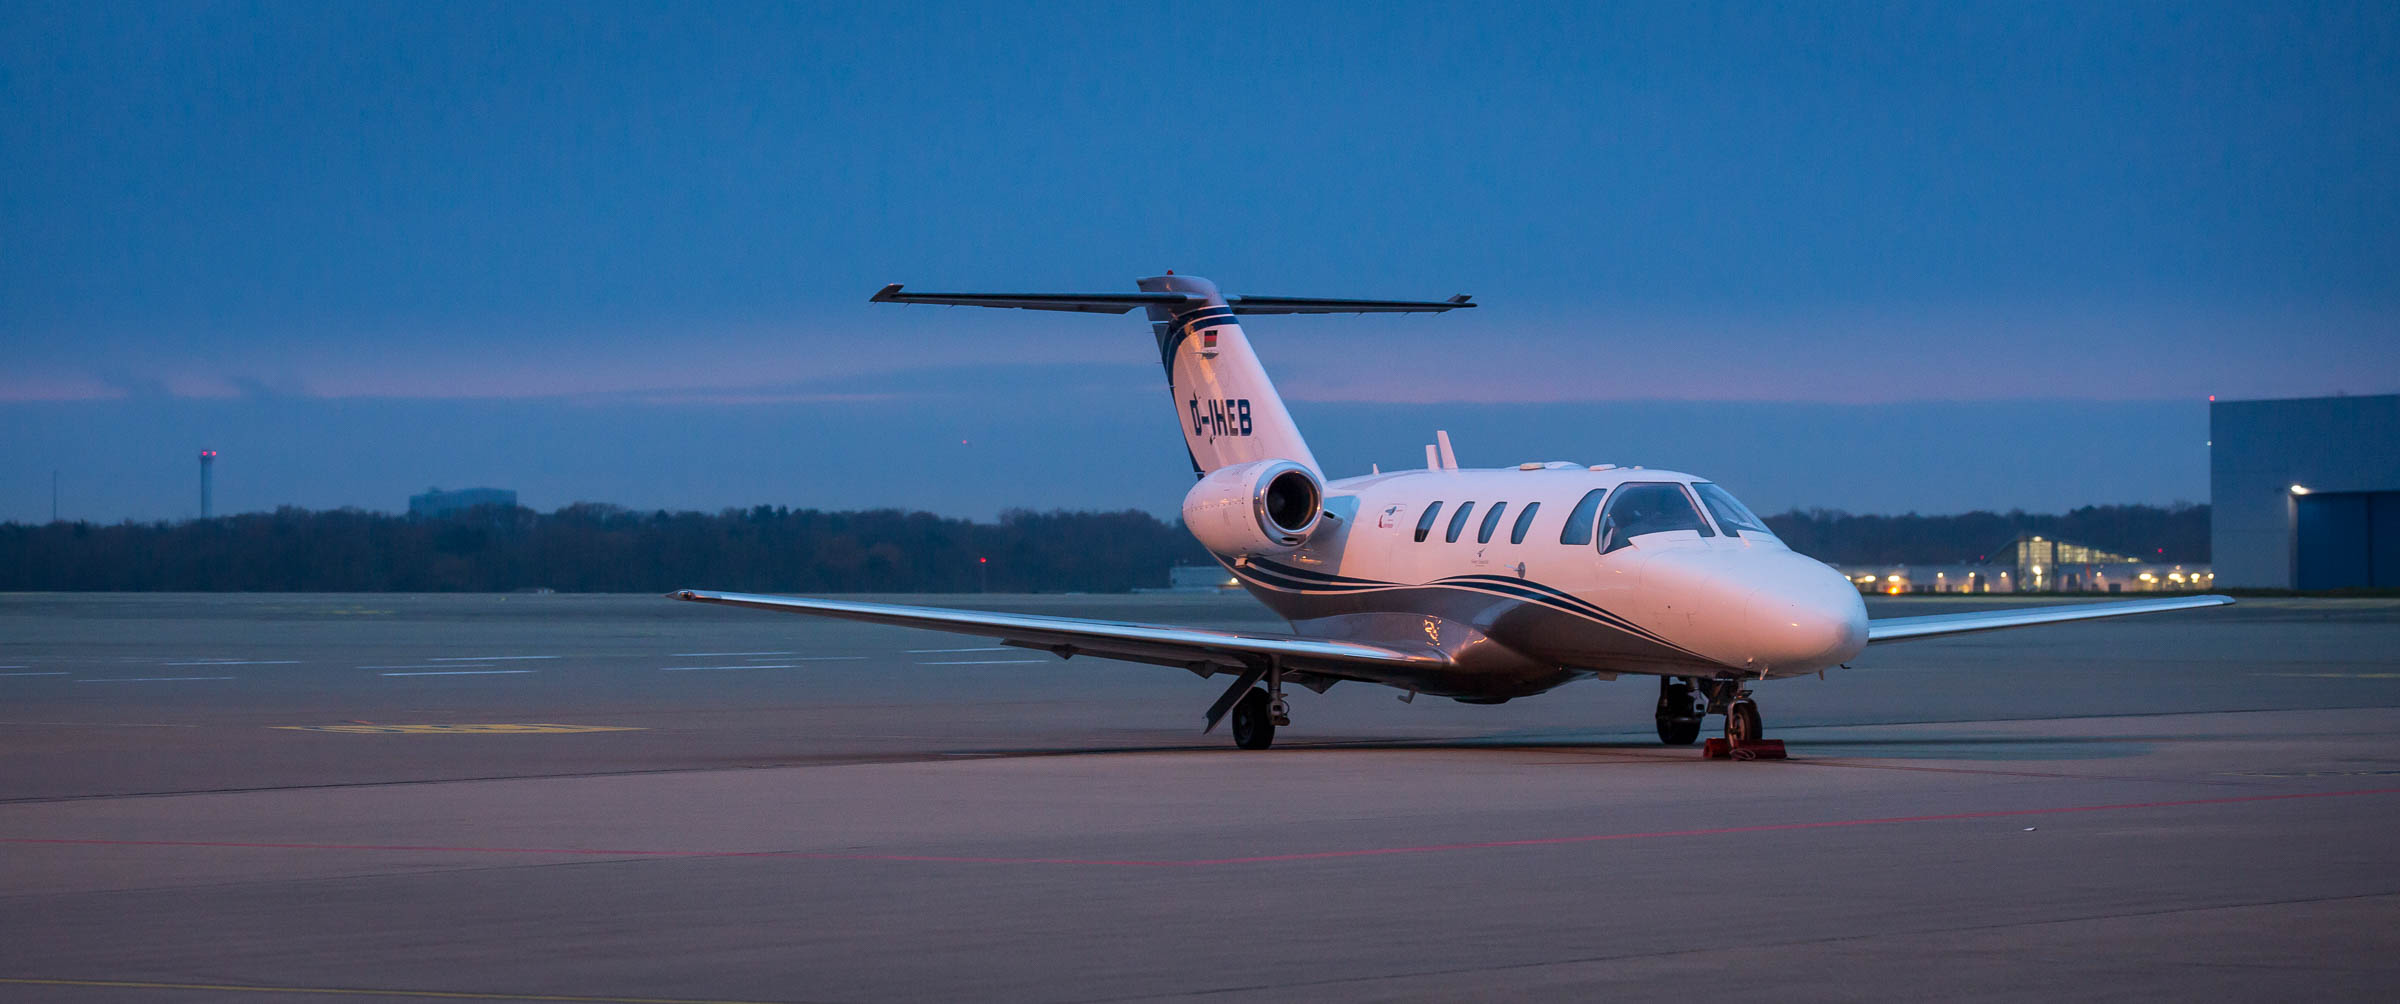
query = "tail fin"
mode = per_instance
[{"x": 1231, "y": 413}]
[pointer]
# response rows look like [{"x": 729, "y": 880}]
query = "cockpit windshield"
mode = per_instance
[
  {"x": 1731, "y": 514},
  {"x": 1636, "y": 509}
]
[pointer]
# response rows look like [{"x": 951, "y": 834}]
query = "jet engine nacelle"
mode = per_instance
[{"x": 1261, "y": 507}]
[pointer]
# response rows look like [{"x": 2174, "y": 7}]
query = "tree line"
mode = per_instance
[
  {"x": 2177, "y": 533},
  {"x": 602, "y": 548}
]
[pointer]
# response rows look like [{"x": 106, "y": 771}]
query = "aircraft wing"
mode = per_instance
[
  {"x": 1889, "y": 629},
  {"x": 1199, "y": 650}
]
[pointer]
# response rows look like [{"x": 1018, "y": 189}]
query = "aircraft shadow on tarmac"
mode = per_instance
[
  {"x": 1980, "y": 748},
  {"x": 1929, "y": 747}
]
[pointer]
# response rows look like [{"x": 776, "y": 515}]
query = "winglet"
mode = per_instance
[
  {"x": 1461, "y": 299},
  {"x": 885, "y": 295}
]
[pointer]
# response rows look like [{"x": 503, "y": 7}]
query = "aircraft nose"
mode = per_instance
[{"x": 1808, "y": 616}]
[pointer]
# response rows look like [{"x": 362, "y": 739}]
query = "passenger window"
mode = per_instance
[
  {"x": 1458, "y": 522},
  {"x": 1524, "y": 523},
  {"x": 1638, "y": 509},
  {"x": 1491, "y": 520},
  {"x": 1425, "y": 522},
  {"x": 1578, "y": 530}
]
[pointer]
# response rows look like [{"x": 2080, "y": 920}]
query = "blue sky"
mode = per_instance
[{"x": 1866, "y": 256}]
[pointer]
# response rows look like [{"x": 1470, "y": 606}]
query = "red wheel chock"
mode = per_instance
[{"x": 1756, "y": 749}]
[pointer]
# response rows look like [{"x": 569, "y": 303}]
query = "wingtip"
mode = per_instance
[{"x": 885, "y": 294}]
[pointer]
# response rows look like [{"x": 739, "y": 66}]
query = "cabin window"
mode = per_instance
[
  {"x": 1425, "y": 522},
  {"x": 1639, "y": 509},
  {"x": 1491, "y": 521},
  {"x": 1458, "y": 522},
  {"x": 1731, "y": 514},
  {"x": 1524, "y": 523},
  {"x": 1578, "y": 530}
]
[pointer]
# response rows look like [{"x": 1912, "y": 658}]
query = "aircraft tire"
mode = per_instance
[
  {"x": 1253, "y": 721},
  {"x": 1742, "y": 723},
  {"x": 1678, "y": 714}
]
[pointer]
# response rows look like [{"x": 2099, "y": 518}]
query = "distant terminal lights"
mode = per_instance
[
  {"x": 436, "y": 502},
  {"x": 2040, "y": 565},
  {"x": 1894, "y": 580}
]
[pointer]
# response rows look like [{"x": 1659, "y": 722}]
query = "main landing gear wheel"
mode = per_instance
[
  {"x": 1674, "y": 733},
  {"x": 1254, "y": 720},
  {"x": 1679, "y": 712}
]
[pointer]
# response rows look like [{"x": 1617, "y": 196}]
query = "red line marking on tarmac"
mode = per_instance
[
  {"x": 1208, "y": 862},
  {"x": 1778, "y": 827},
  {"x": 591, "y": 852}
]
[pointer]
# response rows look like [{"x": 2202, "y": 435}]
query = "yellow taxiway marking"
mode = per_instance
[
  {"x": 245, "y": 988},
  {"x": 495, "y": 729}
]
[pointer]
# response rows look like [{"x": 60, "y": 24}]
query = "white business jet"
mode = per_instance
[{"x": 1477, "y": 585}]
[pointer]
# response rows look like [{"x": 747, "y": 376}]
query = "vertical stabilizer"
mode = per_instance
[{"x": 1229, "y": 409}]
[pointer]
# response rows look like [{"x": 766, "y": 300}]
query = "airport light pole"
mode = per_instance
[{"x": 208, "y": 464}]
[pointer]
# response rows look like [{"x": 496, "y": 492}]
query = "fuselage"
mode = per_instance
[
  {"x": 1482, "y": 585},
  {"x": 1530, "y": 577}
]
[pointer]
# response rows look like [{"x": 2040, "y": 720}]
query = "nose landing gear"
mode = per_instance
[
  {"x": 1742, "y": 724},
  {"x": 1683, "y": 703}
]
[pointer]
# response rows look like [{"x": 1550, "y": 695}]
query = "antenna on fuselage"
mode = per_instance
[{"x": 1449, "y": 458}]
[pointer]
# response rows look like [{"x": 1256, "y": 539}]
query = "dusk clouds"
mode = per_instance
[{"x": 229, "y": 218}]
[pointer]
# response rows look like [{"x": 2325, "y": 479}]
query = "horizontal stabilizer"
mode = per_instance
[
  {"x": 1319, "y": 305},
  {"x": 1085, "y": 303},
  {"x": 1118, "y": 303}
]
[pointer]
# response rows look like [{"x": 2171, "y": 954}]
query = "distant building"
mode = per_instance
[
  {"x": 2047, "y": 565},
  {"x": 2305, "y": 493},
  {"x": 436, "y": 502},
  {"x": 1199, "y": 578}
]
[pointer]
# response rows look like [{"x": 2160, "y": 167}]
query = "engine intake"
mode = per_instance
[{"x": 1262, "y": 507}]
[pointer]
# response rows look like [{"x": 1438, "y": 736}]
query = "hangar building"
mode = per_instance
[{"x": 2305, "y": 493}]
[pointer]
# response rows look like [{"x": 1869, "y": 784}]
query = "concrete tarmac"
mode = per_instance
[{"x": 608, "y": 798}]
